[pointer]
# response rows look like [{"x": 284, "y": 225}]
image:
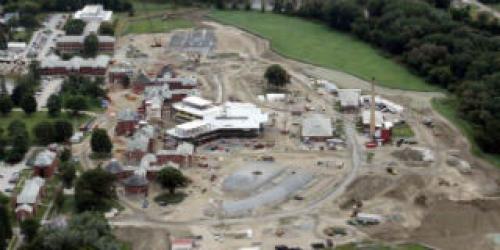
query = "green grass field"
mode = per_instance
[
  {"x": 448, "y": 109},
  {"x": 37, "y": 117},
  {"x": 148, "y": 19},
  {"x": 155, "y": 25},
  {"x": 317, "y": 44}
]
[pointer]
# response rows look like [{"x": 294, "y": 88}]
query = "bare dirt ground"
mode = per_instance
[
  {"x": 143, "y": 238},
  {"x": 435, "y": 204}
]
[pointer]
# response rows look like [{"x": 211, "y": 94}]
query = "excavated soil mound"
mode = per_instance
[
  {"x": 460, "y": 225},
  {"x": 365, "y": 188},
  {"x": 143, "y": 238}
]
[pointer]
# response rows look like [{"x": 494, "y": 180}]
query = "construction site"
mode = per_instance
[{"x": 328, "y": 161}]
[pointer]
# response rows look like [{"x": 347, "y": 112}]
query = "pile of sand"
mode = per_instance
[{"x": 460, "y": 225}]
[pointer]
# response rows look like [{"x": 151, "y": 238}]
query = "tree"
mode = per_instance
[
  {"x": 171, "y": 179},
  {"x": 18, "y": 140},
  {"x": 3, "y": 40},
  {"x": 3, "y": 86},
  {"x": 94, "y": 190},
  {"x": 64, "y": 130},
  {"x": 5, "y": 227},
  {"x": 90, "y": 45},
  {"x": 100, "y": 142},
  {"x": 20, "y": 90},
  {"x": 65, "y": 155},
  {"x": 68, "y": 173},
  {"x": 107, "y": 29},
  {"x": 44, "y": 132},
  {"x": 6, "y": 104},
  {"x": 76, "y": 104},
  {"x": 74, "y": 27},
  {"x": 84, "y": 231},
  {"x": 54, "y": 105},
  {"x": 29, "y": 228},
  {"x": 277, "y": 76},
  {"x": 342, "y": 13},
  {"x": 28, "y": 104},
  {"x": 126, "y": 81}
]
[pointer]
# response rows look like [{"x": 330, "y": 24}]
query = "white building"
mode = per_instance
[
  {"x": 349, "y": 98},
  {"x": 93, "y": 13},
  {"x": 194, "y": 107},
  {"x": 17, "y": 47},
  {"x": 230, "y": 119}
]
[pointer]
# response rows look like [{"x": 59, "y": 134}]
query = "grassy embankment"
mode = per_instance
[
  {"x": 317, "y": 44},
  {"x": 149, "y": 18},
  {"x": 448, "y": 108}
]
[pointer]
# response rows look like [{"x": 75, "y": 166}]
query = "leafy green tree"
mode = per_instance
[
  {"x": 100, "y": 142},
  {"x": 54, "y": 105},
  {"x": 341, "y": 14},
  {"x": 6, "y": 104},
  {"x": 171, "y": 178},
  {"x": 90, "y": 45},
  {"x": 64, "y": 130},
  {"x": 44, "y": 132},
  {"x": 5, "y": 227},
  {"x": 74, "y": 27},
  {"x": 28, "y": 104},
  {"x": 18, "y": 140},
  {"x": 29, "y": 228},
  {"x": 65, "y": 155},
  {"x": 20, "y": 90},
  {"x": 276, "y": 76},
  {"x": 94, "y": 190},
  {"x": 68, "y": 173},
  {"x": 76, "y": 104},
  {"x": 84, "y": 231},
  {"x": 107, "y": 29}
]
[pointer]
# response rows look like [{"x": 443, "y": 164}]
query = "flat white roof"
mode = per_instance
[
  {"x": 349, "y": 97},
  {"x": 197, "y": 101},
  {"x": 93, "y": 13},
  {"x": 379, "y": 118},
  {"x": 230, "y": 115},
  {"x": 196, "y": 111},
  {"x": 317, "y": 125},
  {"x": 16, "y": 45}
]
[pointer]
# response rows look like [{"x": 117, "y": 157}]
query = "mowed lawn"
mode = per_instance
[
  {"x": 148, "y": 18},
  {"x": 318, "y": 44},
  {"x": 155, "y": 25}
]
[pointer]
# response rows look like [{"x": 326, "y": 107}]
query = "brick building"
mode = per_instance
[
  {"x": 141, "y": 143},
  {"x": 45, "y": 164},
  {"x": 136, "y": 184},
  {"x": 127, "y": 122},
  {"x": 75, "y": 44},
  {"x": 53, "y": 65},
  {"x": 182, "y": 155}
]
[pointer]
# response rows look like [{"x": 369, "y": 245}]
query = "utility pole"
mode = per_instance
[{"x": 372, "y": 111}]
